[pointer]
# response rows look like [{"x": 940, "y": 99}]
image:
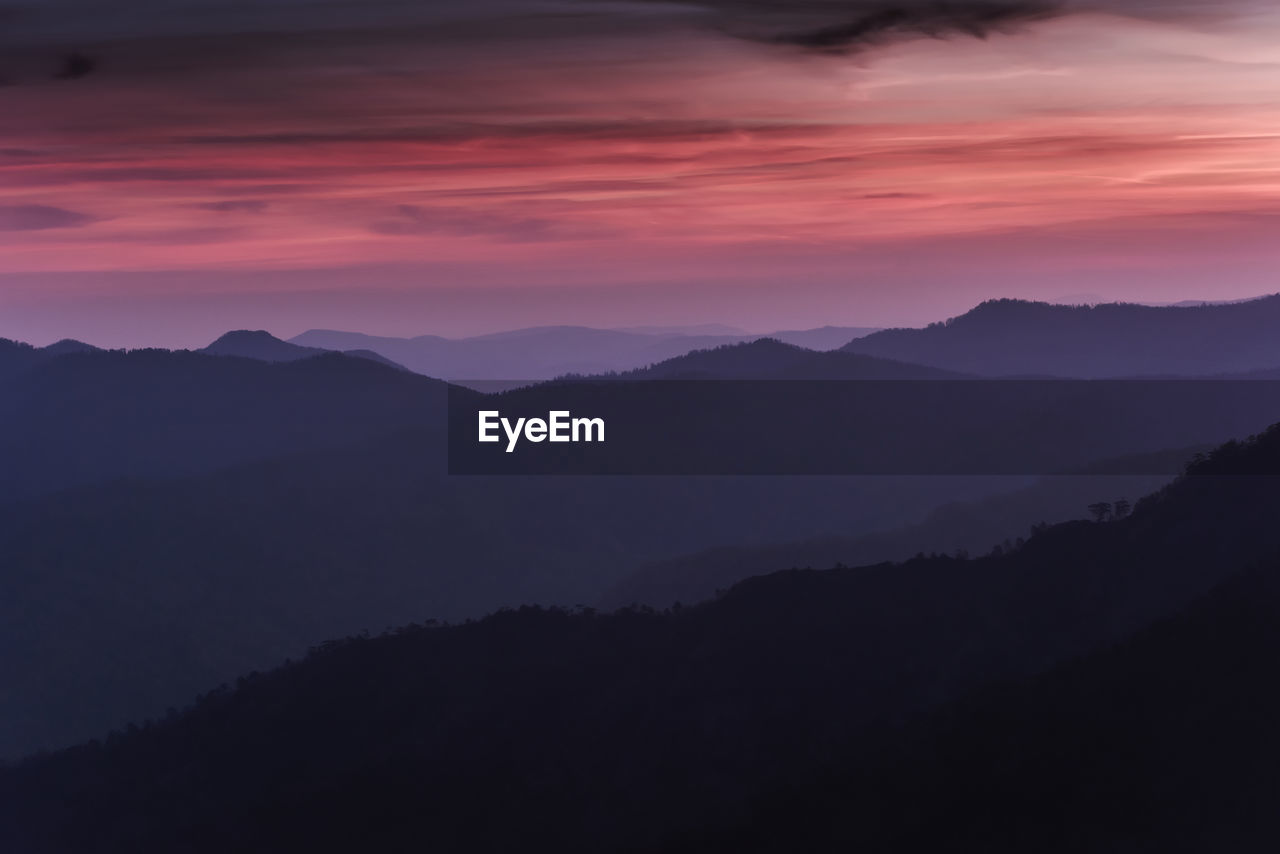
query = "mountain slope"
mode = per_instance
[
  {"x": 89, "y": 416},
  {"x": 259, "y": 344},
  {"x": 973, "y": 526},
  {"x": 538, "y": 730},
  {"x": 1016, "y": 337},
  {"x": 823, "y": 338},
  {"x": 1166, "y": 742},
  {"x": 122, "y": 598}
]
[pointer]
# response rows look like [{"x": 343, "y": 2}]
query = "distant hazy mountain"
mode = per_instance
[
  {"x": 822, "y": 338},
  {"x": 769, "y": 359},
  {"x": 550, "y": 351},
  {"x": 259, "y": 344},
  {"x": 1015, "y": 337},
  {"x": 264, "y": 346},
  {"x": 692, "y": 329},
  {"x": 1197, "y": 302},
  {"x": 1106, "y": 686}
]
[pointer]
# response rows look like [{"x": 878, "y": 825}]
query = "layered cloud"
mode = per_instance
[
  {"x": 39, "y": 218},
  {"x": 642, "y": 141}
]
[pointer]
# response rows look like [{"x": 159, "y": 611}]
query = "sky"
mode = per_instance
[{"x": 171, "y": 170}]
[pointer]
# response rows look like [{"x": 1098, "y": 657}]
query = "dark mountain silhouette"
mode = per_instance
[
  {"x": 551, "y": 351},
  {"x": 1015, "y": 337},
  {"x": 17, "y": 356},
  {"x": 122, "y": 598},
  {"x": 374, "y": 357},
  {"x": 266, "y": 347},
  {"x": 1166, "y": 742},
  {"x": 259, "y": 344},
  {"x": 198, "y": 516},
  {"x": 68, "y": 345},
  {"x": 798, "y": 711},
  {"x": 88, "y": 416}
]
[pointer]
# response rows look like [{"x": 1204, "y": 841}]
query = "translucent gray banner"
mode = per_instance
[{"x": 851, "y": 427}]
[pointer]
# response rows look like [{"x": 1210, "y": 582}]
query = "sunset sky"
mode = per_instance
[{"x": 170, "y": 170}]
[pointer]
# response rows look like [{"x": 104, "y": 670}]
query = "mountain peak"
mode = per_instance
[
  {"x": 258, "y": 344},
  {"x": 68, "y": 345},
  {"x": 245, "y": 335}
]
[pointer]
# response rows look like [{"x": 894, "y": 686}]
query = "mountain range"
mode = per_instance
[
  {"x": 263, "y": 346},
  {"x": 1103, "y": 686},
  {"x": 1019, "y": 338},
  {"x": 175, "y": 518},
  {"x": 547, "y": 352},
  {"x": 197, "y": 515},
  {"x": 998, "y": 338}
]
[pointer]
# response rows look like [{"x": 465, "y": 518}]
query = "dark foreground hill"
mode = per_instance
[
  {"x": 779, "y": 717},
  {"x": 1166, "y": 742},
  {"x": 1016, "y": 337}
]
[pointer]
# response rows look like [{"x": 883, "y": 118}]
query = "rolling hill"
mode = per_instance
[
  {"x": 1019, "y": 338},
  {"x": 973, "y": 526},
  {"x": 84, "y": 417},
  {"x": 174, "y": 518},
  {"x": 1127, "y": 702},
  {"x": 547, "y": 352}
]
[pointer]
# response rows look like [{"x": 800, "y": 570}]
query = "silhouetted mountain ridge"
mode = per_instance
[
  {"x": 972, "y": 526},
  {"x": 165, "y": 413},
  {"x": 641, "y": 731},
  {"x": 194, "y": 579},
  {"x": 1165, "y": 742},
  {"x": 546, "y": 352},
  {"x": 1016, "y": 337},
  {"x": 17, "y": 356}
]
